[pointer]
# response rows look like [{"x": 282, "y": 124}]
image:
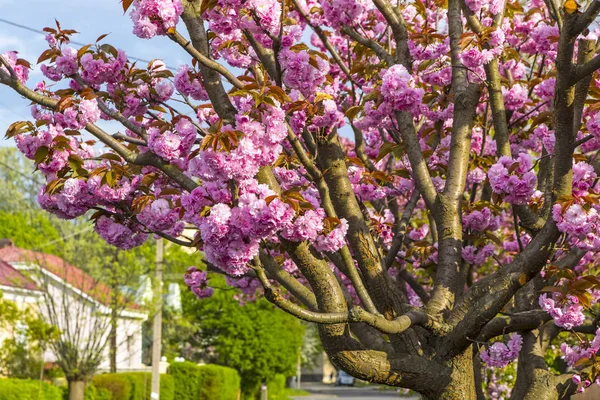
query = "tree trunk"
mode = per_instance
[
  {"x": 76, "y": 390},
  {"x": 461, "y": 385}
]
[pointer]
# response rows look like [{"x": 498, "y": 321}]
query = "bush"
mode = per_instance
[
  {"x": 276, "y": 388},
  {"x": 218, "y": 383},
  {"x": 138, "y": 386},
  {"x": 93, "y": 393},
  {"x": 25, "y": 389},
  {"x": 141, "y": 385},
  {"x": 103, "y": 394},
  {"x": 186, "y": 378},
  {"x": 119, "y": 386},
  {"x": 206, "y": 382}
]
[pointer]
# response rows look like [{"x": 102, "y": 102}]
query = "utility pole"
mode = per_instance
[
  {"x": 299, "y": 370},
  {"x": 157, "y": 327}
]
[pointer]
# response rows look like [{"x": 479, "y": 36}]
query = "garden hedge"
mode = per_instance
[
  {"x": 92, "y": 393},
  {"x": 119, "y": 386},
  {"x": 134, "y": 385},
  {"x": 26, "y": 389},
  {"x": 206, "y": 382},
  {"x": 218, "y": 383},
  {"x": 186, "y": 376}
]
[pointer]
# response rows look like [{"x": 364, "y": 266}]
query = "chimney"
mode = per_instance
[{"x": 6, "y": 242}]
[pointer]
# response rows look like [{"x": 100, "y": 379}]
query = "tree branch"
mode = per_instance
[
  {"x": 401, "y": 230},
  {"x": 370, "y": 44},
  {"x": 356, "y": 314},
  {"x": 134, "y": 158},
  {"x": 204, "y": 60}
]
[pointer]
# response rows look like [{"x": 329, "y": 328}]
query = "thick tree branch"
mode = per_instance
[
  {"x": 277, "y": 273},
  {"x": 448, "y": 206},
  {"x": 508, "y": 323},
  {"x": 399, "y": 30},
  {"x": 585, "y": 19},
  {"x": 331, "y": 158},
  {"x": 329, "y": 208},
  {"x": 212, "y": 79},
  {"x": 417, "y": 161}
]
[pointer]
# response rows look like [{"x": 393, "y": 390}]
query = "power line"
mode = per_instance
[{"x": 30, "y": 29}]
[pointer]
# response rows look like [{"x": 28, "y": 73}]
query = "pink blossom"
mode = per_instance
[
  {"x": 158, "y": 216},
  {"x": 566, "y": 312},
  {"x": 118, "y": 234},
  {"x": 499, "y": 354},
  {"x": 197, "y": 281},
  {"x": 154, "y": 17},
  {"x": 399, "y": 90},
  {"x": 20, "y": 70},
  {"x": 189, "y": 83},
  {"x": 516, "y": 186}
]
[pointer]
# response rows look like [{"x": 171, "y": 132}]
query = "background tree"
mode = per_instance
[
  {"x": 469, "y": 187},
  {"x": 256, "y": 339}
]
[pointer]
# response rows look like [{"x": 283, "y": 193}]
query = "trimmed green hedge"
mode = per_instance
[
  {"x": 93, "y": 393},
  {"x": 25, "y": 389},
  {"x": 133, "y": 386},
  {"x": 206, "y": 382},
  {"x": 186, "y": 375},
  {"x": 276, "y": 388},
  {"x": 218, "y": 383},
  {"x": 119, "y": 386},
  {"x": 141, "y": 383}
]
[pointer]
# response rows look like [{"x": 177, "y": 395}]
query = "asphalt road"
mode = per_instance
[{"x": 325, "y": 392}]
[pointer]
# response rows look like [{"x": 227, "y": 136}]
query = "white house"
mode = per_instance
[{"x": 72, "y": 300}]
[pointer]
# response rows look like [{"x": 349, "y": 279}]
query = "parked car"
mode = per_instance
[{"x": 343, "y": 379}]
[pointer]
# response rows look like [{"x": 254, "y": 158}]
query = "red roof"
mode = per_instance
[
  {"x": 13, "y": 278},
  {"x": 65, "y": 271}
]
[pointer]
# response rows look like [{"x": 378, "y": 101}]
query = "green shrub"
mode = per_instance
[
  {"x": 132, "y": 386},
  {"x": 186, "y": 378},
  {"x": 276, "y": 387},
  {"x": 206, "y": 382},
  {"x": 118, "y": 385},
  {"x": 93, "y": 393},
  {"x": 141, "y": 385},
  {"x": 140, "y": 381},
  {"x": 218, "y": 383},
  {"x": 103, "y": 394},
  {"x": 167, "y": 388},
  {"x": 25, "y": 389}
]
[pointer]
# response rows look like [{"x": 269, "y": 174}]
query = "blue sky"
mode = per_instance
[{"x": 91, "y": 18}]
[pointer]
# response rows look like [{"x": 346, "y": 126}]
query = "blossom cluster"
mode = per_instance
[
  {"x": 499, "y": 354},
  {"x": 398, "y": 89},
  {"x": 197, "y": 281},
  {"x": 155, "y": 17},
  {"x": 567, "y": 312},
  {"x": 513, "y": 179}
]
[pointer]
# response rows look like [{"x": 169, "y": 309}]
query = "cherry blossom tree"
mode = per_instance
[{"x": 463, "y": 210}]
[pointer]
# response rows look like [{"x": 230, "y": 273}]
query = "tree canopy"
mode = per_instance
[{"x": 456, "y": 230}]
